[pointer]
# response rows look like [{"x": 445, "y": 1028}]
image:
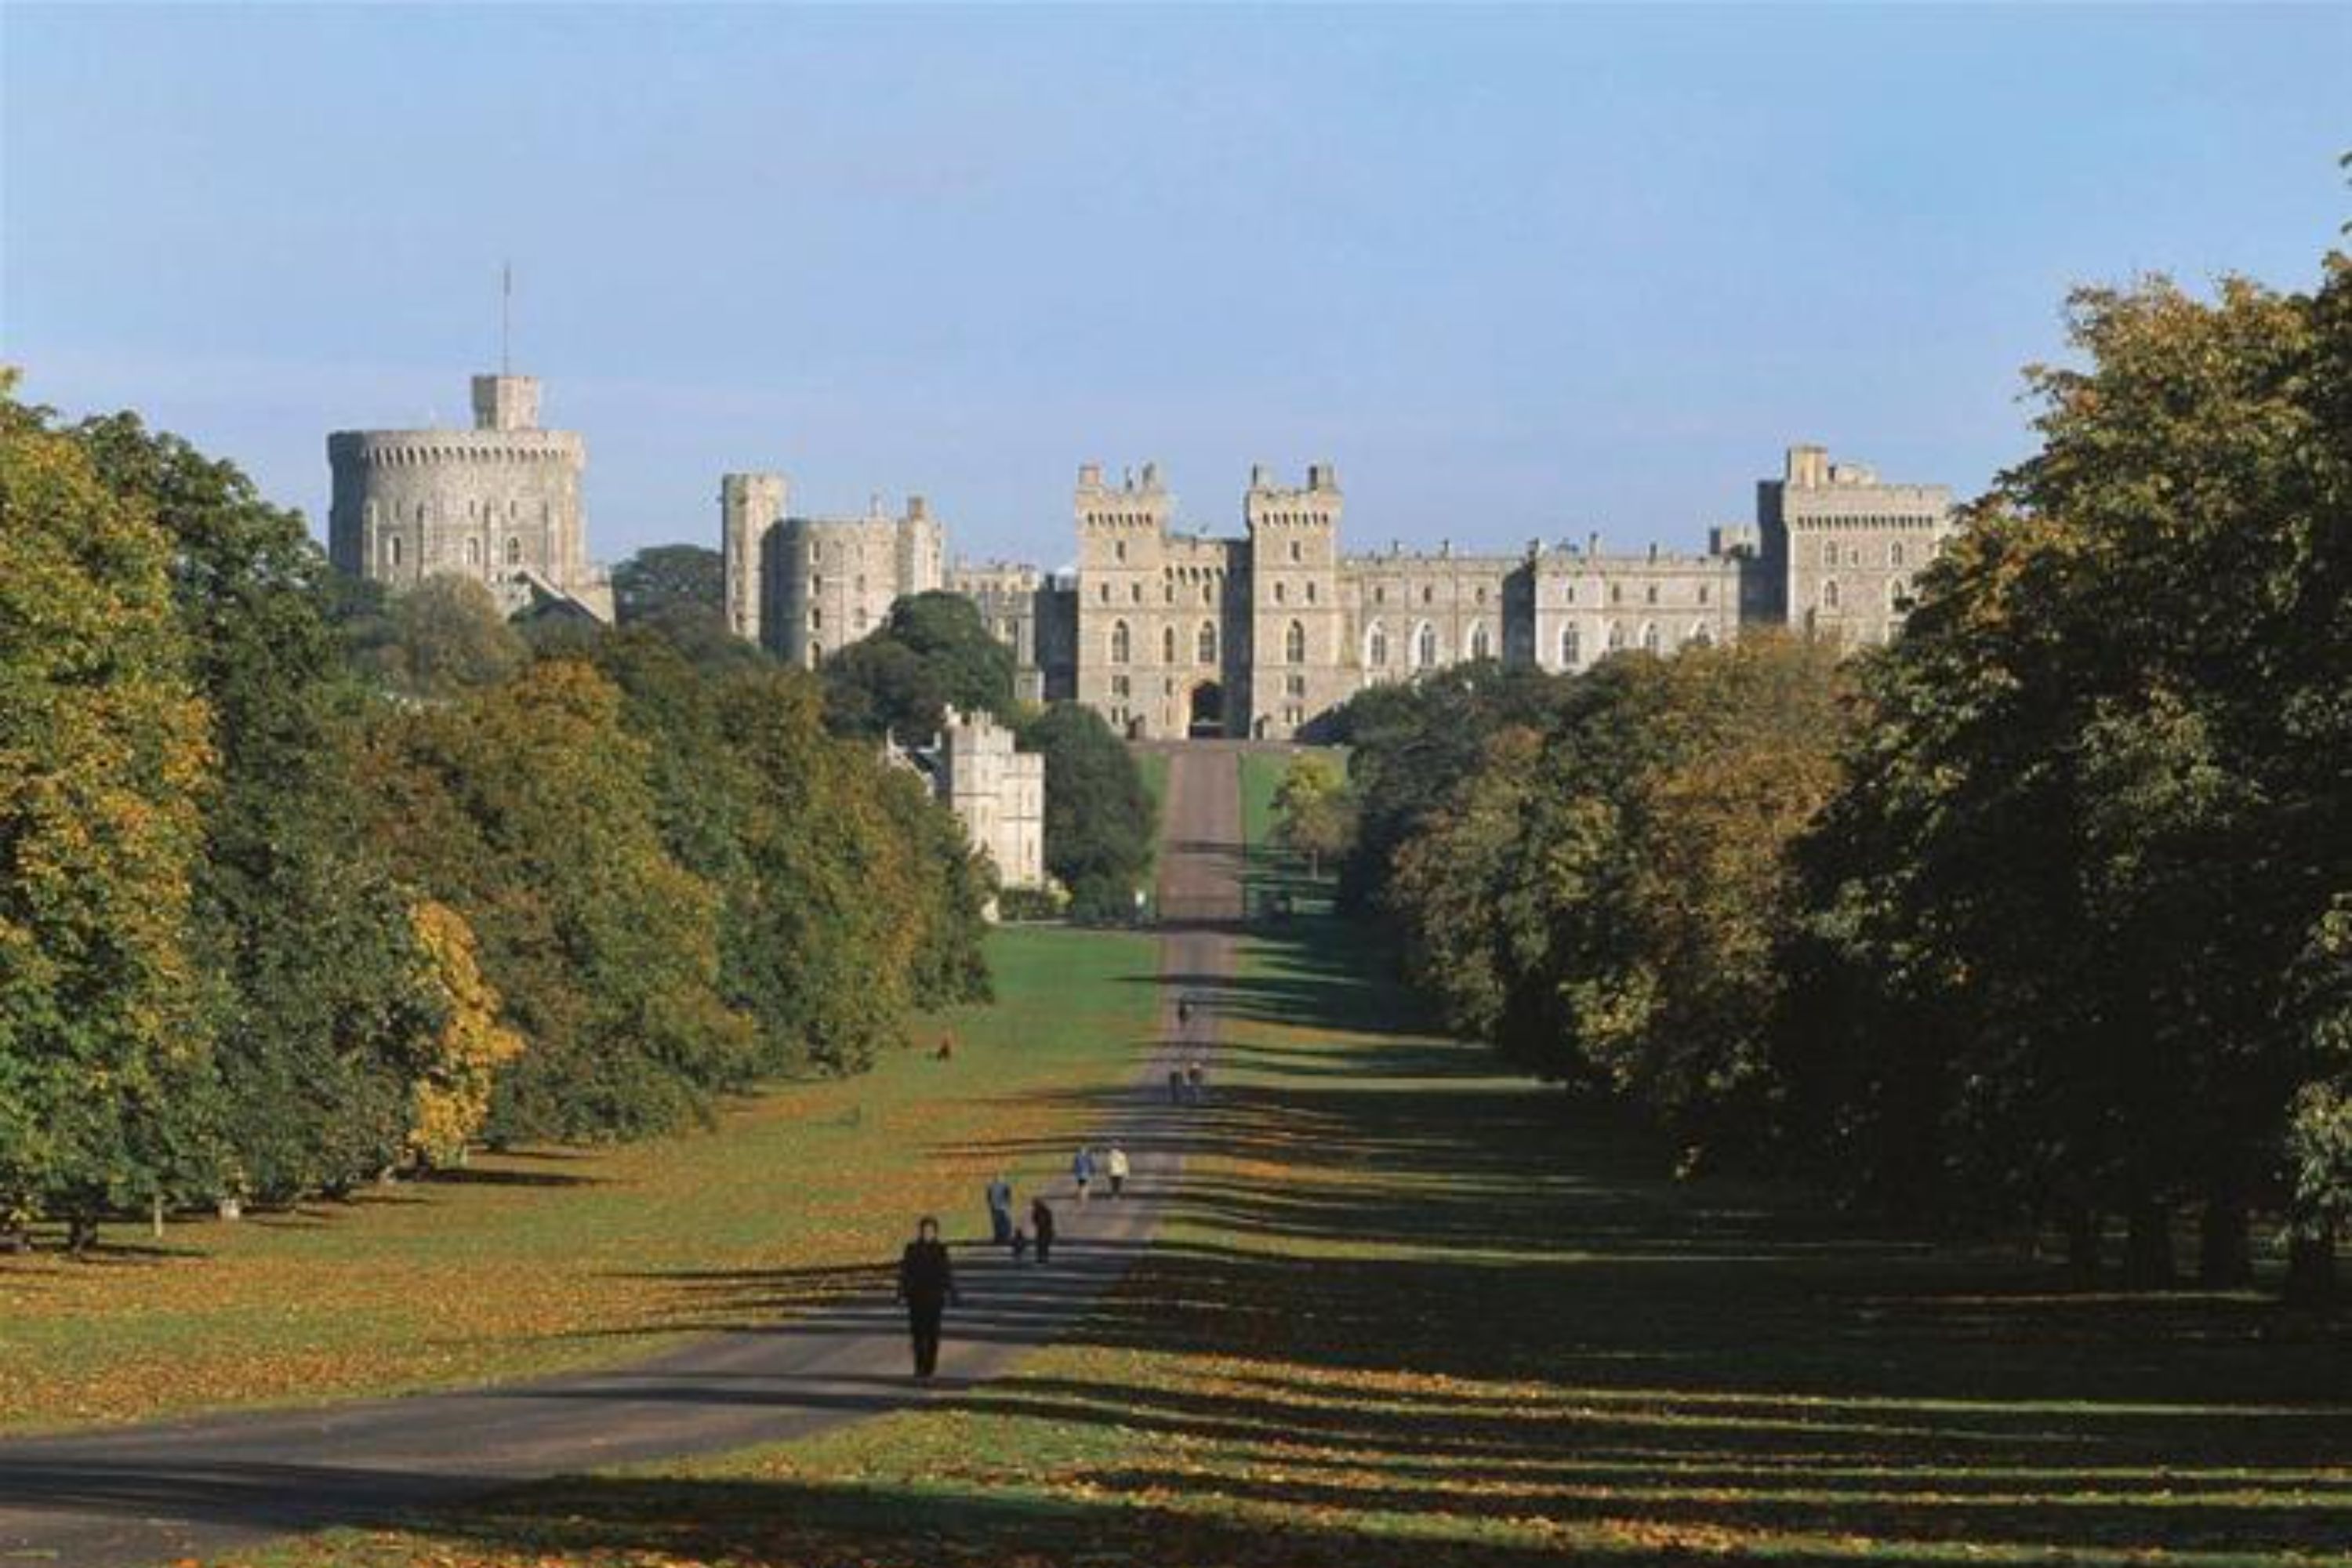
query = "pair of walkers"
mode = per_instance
[
  {"x": 1108, "y": 1164},
  {"x": 1188, "y": 1081}
]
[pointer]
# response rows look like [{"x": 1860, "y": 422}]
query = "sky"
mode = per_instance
[{"x": 1519, "y": 273}]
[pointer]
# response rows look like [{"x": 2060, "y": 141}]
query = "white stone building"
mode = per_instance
[{"x": 996, "y": 790}]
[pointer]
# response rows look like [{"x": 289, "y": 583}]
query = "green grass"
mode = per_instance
[
  {"x": 1408, "y": 1311},
  {"x": 1261, "y": 777},
  {"x": 556, "y": 1257}
]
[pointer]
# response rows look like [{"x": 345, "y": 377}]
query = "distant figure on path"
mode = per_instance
[
  {"x": 1175, "y": 1086},
  {"x": 925, "y": 1284},
  {"x": 1082, "y": 1171},
  {"x": 1000, "y": 1209},
  {"x": 1196, "y": 1080},
  {"x": 1183, "y": 1010},
  {"x": 1040, "y": 1220},
  {"x": 1020, "y": 1244},
  {"x": 1114, "y": 1165}
]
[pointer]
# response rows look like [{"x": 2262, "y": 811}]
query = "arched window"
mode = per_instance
[
  {"x": 1134, "y": 592},
  {"x": 1376, "y": 647},
  {"x": 1650, "y": 637},
  {"x": 1571, "y": 645},
  {"x": 1310, "y": 592},
  {"x": 816, "y": 652},
  {"x": 514, "y": 550},
  {"x": 1294, "y": 550},
  {"x": 1294, "y": 644},
  {"x": 1898, "y": 594},
  {"x": 1205, "y": 645},
  {"x": 1614, "y": 638},
  {"x": 1700, "y": 637},
  {"x": 1168, "y": 645},
  {"x": 1118, "y": 549},
  {"x": 1281, "y": 593},
  {"x": 1480, "y": 646},
  {"x": 1424, "y": 647},
  {"x": 1895, "y": 553},
  {"x": 1106, "y": 594},
  {"x": 473, "y": 552},
  {"x": 392, "y": 549},
  {"x": 1118, "y": 642},
  {"x": 1830, "y": 595},
  {"x": 1208, "y": 593}
]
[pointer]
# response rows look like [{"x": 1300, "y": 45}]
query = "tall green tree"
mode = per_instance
[
  {"x": 103, "y": 761},
  {"x": 1099, "y": 819},
  {"x": 528, "y": 808},
  {"x": 934, "y": 653}
]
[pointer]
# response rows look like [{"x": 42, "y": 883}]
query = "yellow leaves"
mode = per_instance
[{"x": 454, "y": 1095}]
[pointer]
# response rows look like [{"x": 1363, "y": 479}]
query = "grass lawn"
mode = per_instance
[
  {"x": 554, "y": 1258},
  {"x": 1408, "y": 1312}
]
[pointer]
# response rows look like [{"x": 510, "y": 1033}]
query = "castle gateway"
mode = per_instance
[{"x": 1168, "y": 632}]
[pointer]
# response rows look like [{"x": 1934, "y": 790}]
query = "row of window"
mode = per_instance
[
  {"x": 1835, "y": 554},
  {"x": 395, "y": 551},
  {"x": 476, "y": 510},
  {"x": 1898, "y": 594},
  {"x": 1204, "y": 643}
]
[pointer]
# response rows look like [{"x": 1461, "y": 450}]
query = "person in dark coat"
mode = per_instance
[
  {"x": 1041, "y": 1224},
  {"x": 925, "y": 1284}
]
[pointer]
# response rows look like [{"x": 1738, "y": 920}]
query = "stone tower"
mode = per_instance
[
  {"x": 1301, "y": 663},
  {"x": 750, "y": 515},
  {"x": 499, "y": 503},
  {"x": 1124, "y": 613}
]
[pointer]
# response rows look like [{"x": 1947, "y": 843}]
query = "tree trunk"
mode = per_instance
[
  {"x": 2147, "y": 1246},
  {"x": 2311, "y": 1267},
  {"x": 81, "y": 1235},
  {"x": 155, "y": 1217},
  {"x": 2082, "y": 1249},
  {"x": 2225, "y": 1246}
]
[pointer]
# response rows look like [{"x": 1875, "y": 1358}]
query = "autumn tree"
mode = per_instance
[
  {"x": 103, "y": 763},
  {"x": 528, "y": 808},
  {"x": 1314, "y": 813},
  {"x": 451, "y": 1095}
]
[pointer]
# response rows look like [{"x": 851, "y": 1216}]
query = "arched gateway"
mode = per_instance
[{"x": 1206, "y": 718}]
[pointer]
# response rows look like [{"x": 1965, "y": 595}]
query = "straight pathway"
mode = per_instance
[{"x": 207, "y": 1484}]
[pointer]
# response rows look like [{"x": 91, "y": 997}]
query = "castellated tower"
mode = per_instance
[
  {"x": 1125, "y": 630},
  {"x": 750, "y": 515},
  {"x": 804, "y": 587},
  {"x": 1302, "y": 663},
  {"x": 499, "y": 503}
]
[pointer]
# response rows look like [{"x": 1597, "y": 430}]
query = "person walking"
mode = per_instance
[
  {"x": 1196, "y": 1080},
  {"x": 1000, "y": 1209},
  {"x": 1175, "y": 1084},
  {"x": 1082, "y": 1170},
  {"x": 1041, "y": 1222},
  {"x": 927, "y": 1284},
  {"x": 1115, "y": 1166}
]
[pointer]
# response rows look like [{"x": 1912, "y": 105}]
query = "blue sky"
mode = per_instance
[{"x": 1517, "y": 272}]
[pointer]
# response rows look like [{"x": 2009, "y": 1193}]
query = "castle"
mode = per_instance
[
  {"x": 498, "y": 503},
  {"x": 1168, "y": 632}
]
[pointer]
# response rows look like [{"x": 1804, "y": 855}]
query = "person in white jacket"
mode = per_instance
[{"x": 1115, "y": 1166}]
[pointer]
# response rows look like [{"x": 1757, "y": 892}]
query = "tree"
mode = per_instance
[
  {"x": 663, "y": 579},
  {"x": 1315, "y": 816},
  {"x": 314, "y": 987},
  {"x": 448, "y": 635},
  {"x": 452, "y": 1094},
  {"x": 103, "y": 763},
  {"x": 1100, "y": 821},
  {"x": 934, "y": 653},
  {"x": 528, "y": 809}
]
